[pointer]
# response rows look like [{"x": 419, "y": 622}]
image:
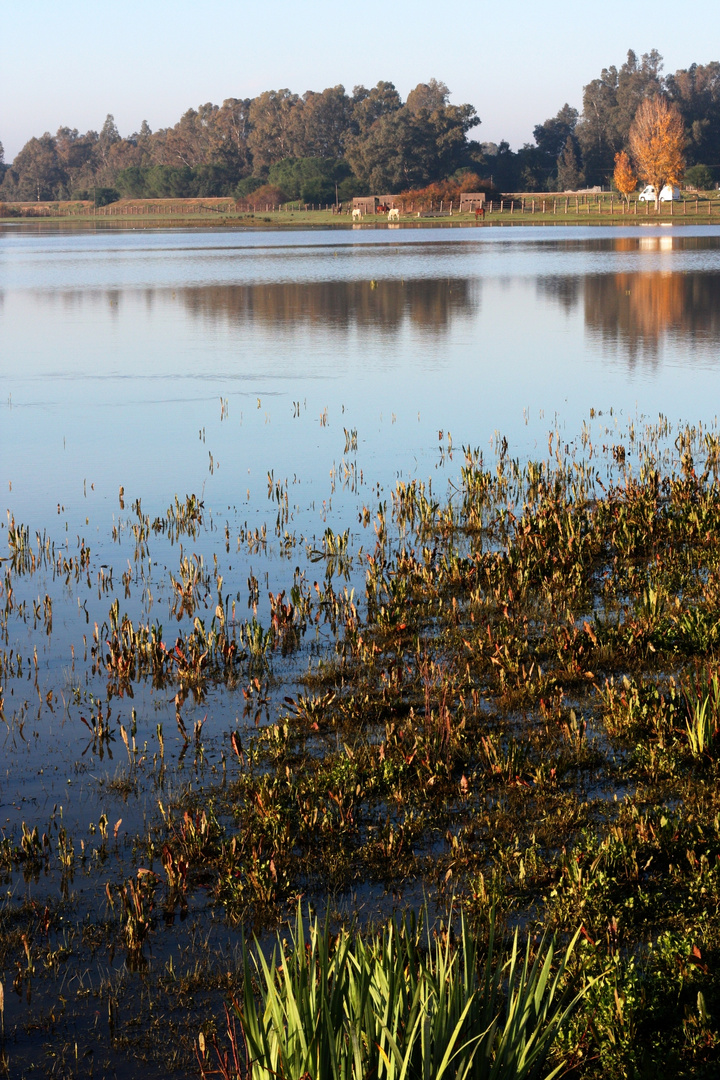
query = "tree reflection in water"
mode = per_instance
[
  {"x": 636, "y": 311},
  {"x": 430, "y": 304}
]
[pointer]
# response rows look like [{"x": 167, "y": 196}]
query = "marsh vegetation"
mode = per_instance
[{"x": 517, "y": 718}]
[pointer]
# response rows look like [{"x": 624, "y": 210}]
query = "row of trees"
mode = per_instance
[
  {"x": 320, "y": 144},
  {"x": 370, "y": 140},
  {"x": 573, "y": 149}
]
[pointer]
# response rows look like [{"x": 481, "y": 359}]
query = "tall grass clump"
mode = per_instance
[
  {"x": 399, "y": 1004},
  {"x": 702, "y": 701}
]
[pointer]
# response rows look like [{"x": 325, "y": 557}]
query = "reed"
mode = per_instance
[{"x": 401, "y": 1004}]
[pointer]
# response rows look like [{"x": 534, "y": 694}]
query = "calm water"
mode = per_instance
[
  {"x": 117, "y": 349},
  {"x": 224, "y": 364},
  {"x": 333, "y": 363}
]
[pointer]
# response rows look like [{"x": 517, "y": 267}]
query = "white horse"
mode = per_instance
[
  {"x": 394, "y": 214},
  {"x": 357, "y": 214}
]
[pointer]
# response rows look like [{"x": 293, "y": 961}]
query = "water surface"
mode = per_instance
[{"x": 118, "y": 347}]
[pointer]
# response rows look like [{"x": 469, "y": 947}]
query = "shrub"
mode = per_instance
[
  {"x": 699, "y": 176},
  {"x": 265, "y": 195}
]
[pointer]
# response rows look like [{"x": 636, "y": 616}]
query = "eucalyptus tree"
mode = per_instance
[
  {"x": 696, "y": 92},
  {"x": 37, "y": 172},
  {"x": 321, "y": 121},
  {"x": 609, "y": 105},
  {"x": 273, "y": 133},
  {"x": 410, "y": 146}
]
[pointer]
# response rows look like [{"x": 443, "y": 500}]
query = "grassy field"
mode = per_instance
[{"x": 513, "y": 210}]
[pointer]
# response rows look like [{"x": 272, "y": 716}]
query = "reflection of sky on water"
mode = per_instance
[{"x": 116, "y": 348}]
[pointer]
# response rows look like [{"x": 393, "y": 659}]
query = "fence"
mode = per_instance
[
  {"x": 597, "y": 205},
  {"x": 576, "y": 206}
]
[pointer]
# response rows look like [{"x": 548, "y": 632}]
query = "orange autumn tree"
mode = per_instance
[
  {"x": 657, "y": 142},
  {"x": 624, "y": 176}
]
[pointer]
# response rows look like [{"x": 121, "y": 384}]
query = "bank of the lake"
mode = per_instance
[{"x": 525, "y": 209}]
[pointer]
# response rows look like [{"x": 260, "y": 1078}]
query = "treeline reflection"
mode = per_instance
[
  {"x": 637, "y": 312},
  {"x": 428, "y": 304}
]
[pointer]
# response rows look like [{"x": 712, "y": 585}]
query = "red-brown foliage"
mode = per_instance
[
  {"x": 445, "y": 191},
  {"x": 266, "y": 196}
]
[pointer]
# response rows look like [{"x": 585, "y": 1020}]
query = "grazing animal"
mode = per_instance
[
  {"x": 394, "y": 214},
  {"x": 357, "y": 214},
  {"x": 479, "y": 212}
]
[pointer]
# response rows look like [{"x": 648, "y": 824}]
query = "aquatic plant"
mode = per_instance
[{"x": 399, "y": 1004}]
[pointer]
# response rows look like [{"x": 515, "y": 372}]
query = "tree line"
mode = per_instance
[
  {"x": 367, "y": 141},
  {"x": 573, "y": 149},
  {"x": 330, "y": 144}
]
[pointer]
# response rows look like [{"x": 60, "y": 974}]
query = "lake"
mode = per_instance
[
  {"x": 283, "y": 382},
  {"x": 117, "y": 348}
]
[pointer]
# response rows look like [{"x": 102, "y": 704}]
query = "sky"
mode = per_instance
[{"x": 71, "y": 64}]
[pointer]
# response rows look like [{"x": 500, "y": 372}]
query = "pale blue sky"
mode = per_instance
[{"x": 74, "y": 62}]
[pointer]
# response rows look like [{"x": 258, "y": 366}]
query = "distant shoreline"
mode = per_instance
[
  {"x": 73, "y": 224},
  {"x": 548, "y": 209}
]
